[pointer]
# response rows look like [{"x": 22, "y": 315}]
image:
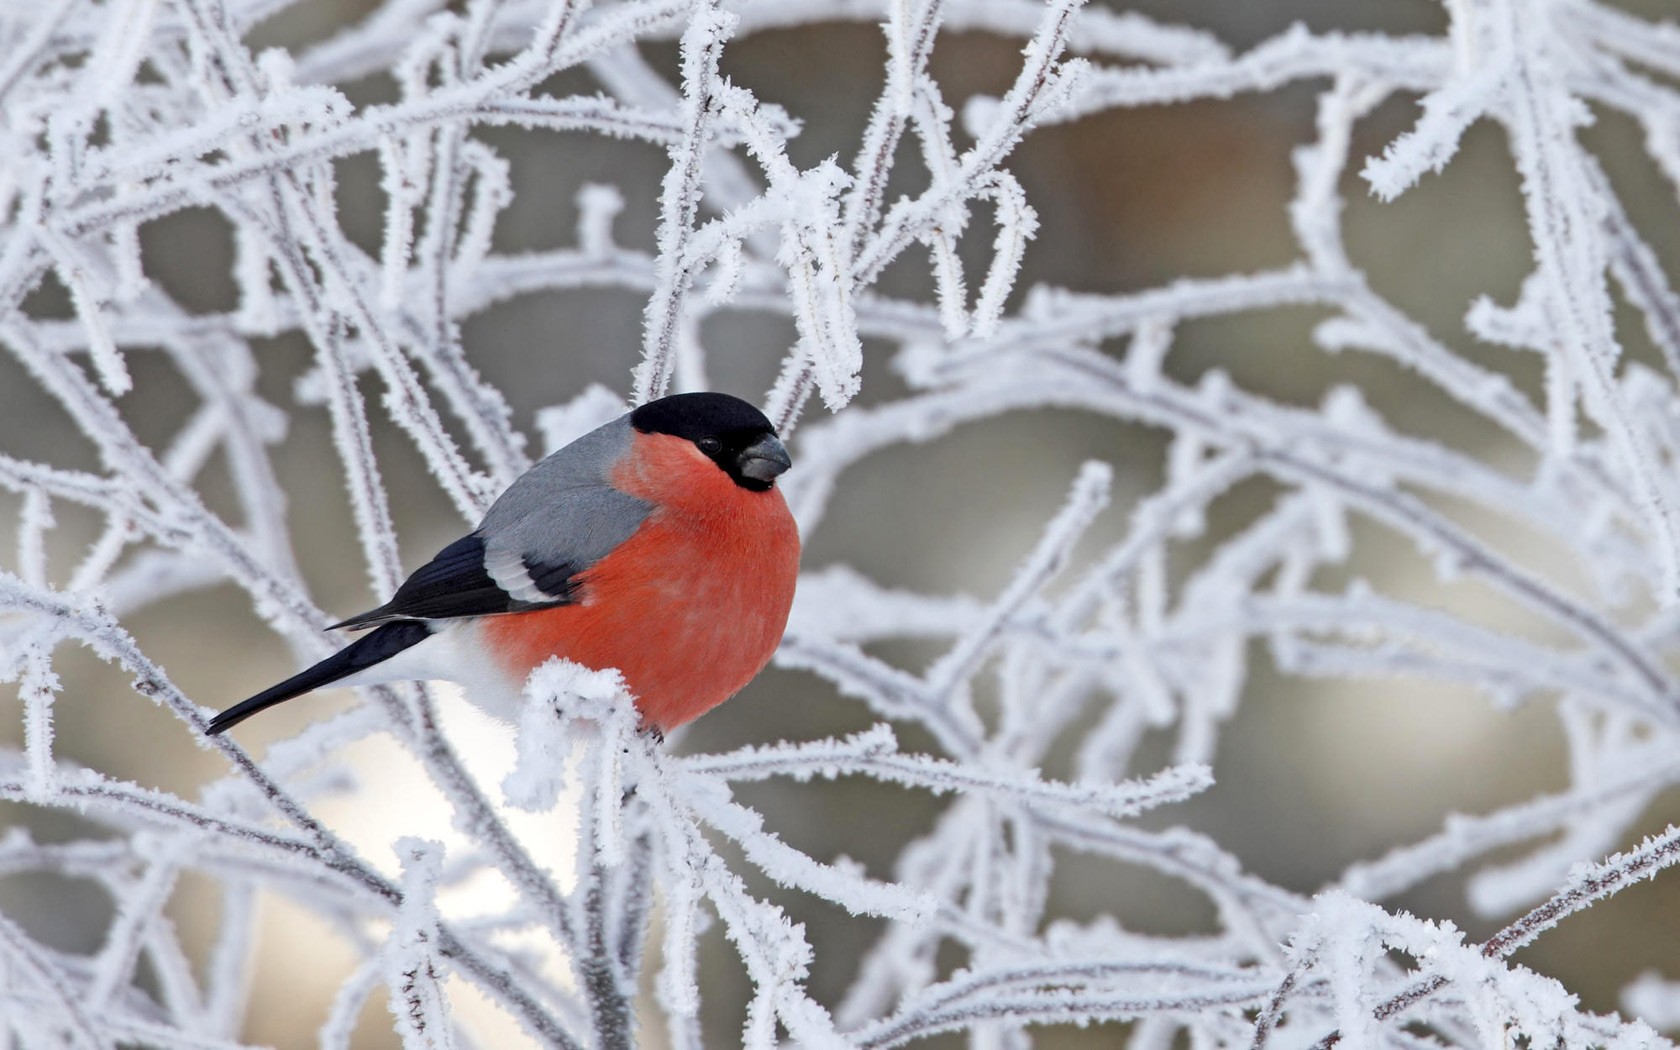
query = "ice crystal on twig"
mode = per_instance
[{"x": 1034, "y": 715}]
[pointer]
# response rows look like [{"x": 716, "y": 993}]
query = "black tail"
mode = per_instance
[{"x": 376, "y": 646}]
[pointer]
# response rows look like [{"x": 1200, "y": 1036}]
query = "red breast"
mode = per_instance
[{"x": 691, "y": 606}]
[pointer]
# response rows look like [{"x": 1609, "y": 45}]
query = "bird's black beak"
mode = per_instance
[{"x": 764, "y": 459}]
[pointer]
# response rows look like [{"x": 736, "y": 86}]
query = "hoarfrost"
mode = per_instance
[{"x": 119, "y": 113}]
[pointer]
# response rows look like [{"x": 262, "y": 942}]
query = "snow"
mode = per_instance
[{"x": 1132, "y": 618}]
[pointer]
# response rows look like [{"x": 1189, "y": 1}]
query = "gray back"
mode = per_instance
[{"x": 564, "y": 509}]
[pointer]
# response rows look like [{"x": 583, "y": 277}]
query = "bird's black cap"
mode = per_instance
[
  {"x": 694, "y": 416},
  {"x": 732, "y": 434}
]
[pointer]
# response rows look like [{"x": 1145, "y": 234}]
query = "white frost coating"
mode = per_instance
[
  {"x": 403, "y": 192},
  {"x": 562, "y": 424},
  {"x": 557, "y": 692},
  {"x": 702, "y": 43},
  {"x": 839, "y": 603},
  {"x": 598, "y": 205},
  {"x": 38, "y": 686},
  {"x": 72, "y": 267},
  {"x": 789, "y": 867},
  {"x": 1038, "y": 730},
  {"x": 1655, "y": 1000},
  {"x": 414, "y": 971},
  {"x": 1055, "y": 547}
]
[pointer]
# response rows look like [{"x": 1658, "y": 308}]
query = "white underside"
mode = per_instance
[{"x": 454, "y": 654}]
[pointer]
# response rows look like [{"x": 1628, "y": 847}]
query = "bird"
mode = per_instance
[{"x": 657, "y": 545}]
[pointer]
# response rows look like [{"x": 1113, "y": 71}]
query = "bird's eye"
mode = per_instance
[{"x": 711, "y": 446}]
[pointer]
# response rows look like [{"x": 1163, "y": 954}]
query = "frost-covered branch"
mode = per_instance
[{"x": 374, "y": 183}]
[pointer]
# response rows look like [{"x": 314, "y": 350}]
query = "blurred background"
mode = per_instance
[{"x": 1312, "y": 775}]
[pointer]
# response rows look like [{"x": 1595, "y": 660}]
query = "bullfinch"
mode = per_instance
[{"x": 657, "y": 544}]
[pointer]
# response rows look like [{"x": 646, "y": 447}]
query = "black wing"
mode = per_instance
[{"x": 455, "y": 583}]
